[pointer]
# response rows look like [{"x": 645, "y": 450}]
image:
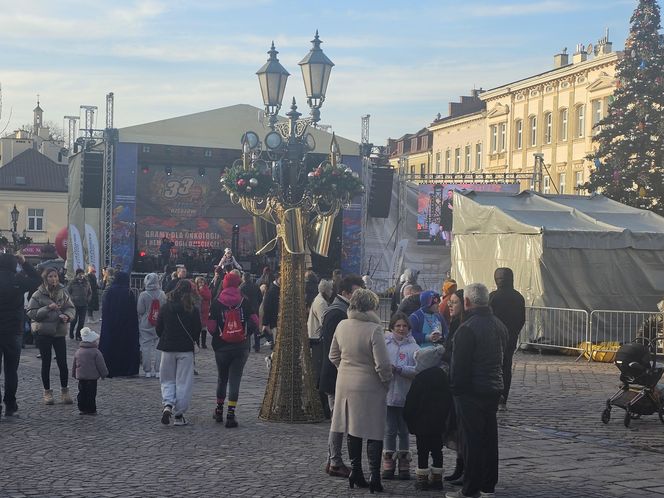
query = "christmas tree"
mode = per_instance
[{"x": 628, "y": 162}]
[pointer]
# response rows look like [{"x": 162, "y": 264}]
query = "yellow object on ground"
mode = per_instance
[{"x": 604, "y": 352}]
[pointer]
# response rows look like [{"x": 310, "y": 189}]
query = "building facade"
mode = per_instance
[
  {"x": 412, "y": 153},
  {"x": 553, "y": 114}
]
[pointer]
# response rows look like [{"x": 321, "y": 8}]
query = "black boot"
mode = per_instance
[
  {"x": 356, "y": 477},
  {"x": 374, "y": 453},
  {"x": 458, "y": 471}
]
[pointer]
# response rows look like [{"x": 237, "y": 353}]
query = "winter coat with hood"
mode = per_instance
[
  {"x": 88, "y": 363},
  {"x": 332, "y": 316},
  {"x": 12, "y": 288},
  {"x": 152, "y": 291},
  {"x": 46, "y": 321},
  {"x": 402, "y": 356},
  {"x": 231, "y": 297},
  {"x": 429, "y": 400},
  {"x": 176, "y": 337},
  {"x": 79, "y": 290},
  {"x": 410, "y": 304},
  {"x": 271, "y": 306},
  {"x": 423, "y": 320},
  {"x": 507, "y": 303}
]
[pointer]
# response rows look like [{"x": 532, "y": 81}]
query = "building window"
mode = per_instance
[
  {"x": 468, "y": 158},
  {"x": 413, "y": 144},
  {"x": 578, "y": 179},
  {"x": 423, "y": 169},
  {"x": 548, "y": 128},
  {"x": 533, "y": 131},
  {"x": 448, "y": 161},
  {"x": 597, "y": 115},
  {"x": 412, "y": 169},
  {"x": 547, "y": 185},
  {"x": 478, "y": 156},
  {"x": 35, "y": 220},
  {"x": 146, "y": 148},
  {"x": 563, "y": 125},
  {"x": 494, "y": 139},
  {"x": 561, "y": 183},
  {"x": 425, "y": 142},
  {"x": 438, "y": 162},
  {"x": 518, "y": 127},
  {"x": 581, "y": 121},
  {"x": 457, "y": 160},
  {"x": 503, "y": 137}
]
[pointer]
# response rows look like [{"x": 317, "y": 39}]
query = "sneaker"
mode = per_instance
[
  {"x": 218, "y": 414},
  {"x": 230, "y": 420},
  {"x": 340, "y": 471},
  {"x": 166, "y": 415},
  {"x": 180, "y": 420}
]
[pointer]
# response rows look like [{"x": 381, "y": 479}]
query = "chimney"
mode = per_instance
[
  {"x": 561, "y": 59},
  {"x": 580, "y": 54}
]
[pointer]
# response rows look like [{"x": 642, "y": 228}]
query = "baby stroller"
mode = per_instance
[{"x": 639, "y": 374}]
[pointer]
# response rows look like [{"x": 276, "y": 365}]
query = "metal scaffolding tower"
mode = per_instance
[
  {"x": 89, "y": 122},
  {"x": 110, "y": 141},
  {"x": 71, "y": 131}
]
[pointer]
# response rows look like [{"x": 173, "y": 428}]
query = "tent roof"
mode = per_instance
[
  {"x": 219, "y": 128},
  {"x": 565, "y": 220}
]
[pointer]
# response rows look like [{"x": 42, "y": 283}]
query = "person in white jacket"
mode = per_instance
[
  {"x": 149, "y": 303},
  {"x": 401, "y": 348},
  {"x": 318, "y": 307}
]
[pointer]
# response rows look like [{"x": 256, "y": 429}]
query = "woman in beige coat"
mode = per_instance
[{"x": 364, "y": 371}]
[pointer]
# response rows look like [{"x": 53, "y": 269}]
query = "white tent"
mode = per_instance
[{"x": 566, "y": 251}]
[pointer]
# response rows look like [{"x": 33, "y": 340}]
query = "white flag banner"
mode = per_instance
[
  {"x": 93, "y": 246},
  {"x": 76, "y": 248},
  {"x": 397, "y": 260}
]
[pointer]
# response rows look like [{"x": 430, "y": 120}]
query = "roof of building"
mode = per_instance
[
  {"x": 33, "y": 171},
  {"x": 219, "y": 128}
]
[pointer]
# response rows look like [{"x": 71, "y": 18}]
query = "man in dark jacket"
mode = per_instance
[
  {"x": 510, "y": 307},
  {"x": 271, "y": 311},
  {"x": 336, "y": 312},
  {"x": 254, "y": 296},
  {"x": 476, "y": 377},
  {"x": 80, "y": 292},
  {"x": 13, "y": 286},
  {"x": 180, "y": 274}
]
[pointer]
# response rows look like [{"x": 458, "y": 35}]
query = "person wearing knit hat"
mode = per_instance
[
  {"x": 88, "y": 367},
  {"x": 229, "y": 260},
  {"x": 428, "y": 325},
  {"x": 236, "y": 322},
  {"x": 449, "y": 288}
]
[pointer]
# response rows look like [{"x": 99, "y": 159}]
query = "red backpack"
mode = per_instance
[
  {"x": 153, "y": 313},
  {"x": 234, "y": 330}
]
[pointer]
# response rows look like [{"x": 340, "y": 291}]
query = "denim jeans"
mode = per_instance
[
  {"x": 230, "y": 365},
  {"x": 45, "y": 343},
  {"x": 395, "y": 426},
  {"x": 10, "y": 353}
]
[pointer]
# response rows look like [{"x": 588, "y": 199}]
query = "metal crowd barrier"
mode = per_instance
[
  {"x": 384, "y": 311},
  {"x": 555, "y": 328},
  {"x": 617, "y": 326}
]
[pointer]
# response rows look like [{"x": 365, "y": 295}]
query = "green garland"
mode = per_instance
[
  {"x": 248, "y": 183},
  {"x": 334, "y": 181}
]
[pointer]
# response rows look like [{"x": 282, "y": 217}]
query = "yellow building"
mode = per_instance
[
  {"x": 552, "y": 114},
  {"x": 37, "y": 186},
  {"x": 412, "y": 153}
]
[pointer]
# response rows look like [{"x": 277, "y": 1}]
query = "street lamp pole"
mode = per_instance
[
  {"x": 273, "y": 182},
  {"x": 14, "y": 217}
]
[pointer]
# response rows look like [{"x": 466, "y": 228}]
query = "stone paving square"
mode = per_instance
[{"x": 552, "y": 441}]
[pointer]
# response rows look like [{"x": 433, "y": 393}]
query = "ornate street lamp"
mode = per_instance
[
  {"x": 273, "y": 182},
  {"x": 14, "y": 217}
]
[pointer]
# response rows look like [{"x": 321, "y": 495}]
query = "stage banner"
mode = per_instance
[
  {"x": 124, "y": 205},
  {"x": 93, "y": 246},
  {"x": 190, "y": 209},
  {"x": 435, "y": 208},
  {"x": 76, "y": 248},
  {"x": 351, "y": 246}
]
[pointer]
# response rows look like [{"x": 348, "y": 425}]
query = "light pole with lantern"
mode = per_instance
[
  {"x": 274, "y": 183},
  {"x": 14, "y": 217}
]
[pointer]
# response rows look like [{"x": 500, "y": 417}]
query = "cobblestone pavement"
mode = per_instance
[{"x": 552, "y": 442}]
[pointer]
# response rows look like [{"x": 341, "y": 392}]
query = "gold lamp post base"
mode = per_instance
[{"x": 291, "y": 395}]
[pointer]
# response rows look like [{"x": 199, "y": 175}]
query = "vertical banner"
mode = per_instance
[
  {"x": 76, "y": 248},
  {"x": 124, "y": 206},
  {"x": 93, "y": 246},
  {"x": 397, "y": 261},
  {"x": 351, "y": 245}
]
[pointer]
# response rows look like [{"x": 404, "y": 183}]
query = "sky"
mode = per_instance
[{"x": 400, "y": 62}]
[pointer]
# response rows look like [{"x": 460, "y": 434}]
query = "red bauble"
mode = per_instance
[{"x": 241, "y": 182}]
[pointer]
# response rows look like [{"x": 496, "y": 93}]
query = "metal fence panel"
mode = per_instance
[
  {"x": 610, "y": 326},
  {"x": 555, "y": 328}
]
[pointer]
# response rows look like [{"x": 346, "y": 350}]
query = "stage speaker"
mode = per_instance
[
  {"x": 380, "y": 195},
  {"x": 92, "y": 180}
]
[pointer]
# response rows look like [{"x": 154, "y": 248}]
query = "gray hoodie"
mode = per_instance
[{"x": 152, "y": 291}]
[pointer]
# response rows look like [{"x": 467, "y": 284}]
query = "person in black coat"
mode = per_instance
[
  {"x": 254, "y": 296},
  {"x": 271, "y": 311},
  {"x": 310, "y": 288},
  {"x": 510, "y": 307},
  {"x": 428, "y": 404},
  {"x": 13, "y": 286},
  {"x": 335, "y": 313},
  {"x": 411, "y": 304},
  {"x": 476, "y": 378}
]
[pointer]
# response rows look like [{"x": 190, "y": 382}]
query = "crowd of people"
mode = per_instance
[{"x": 440, "y": 373}]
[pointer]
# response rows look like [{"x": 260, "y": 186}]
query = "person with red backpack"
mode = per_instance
[
  {"x": 236, "y": 322},
  {"x": 149, "y": 303}
]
